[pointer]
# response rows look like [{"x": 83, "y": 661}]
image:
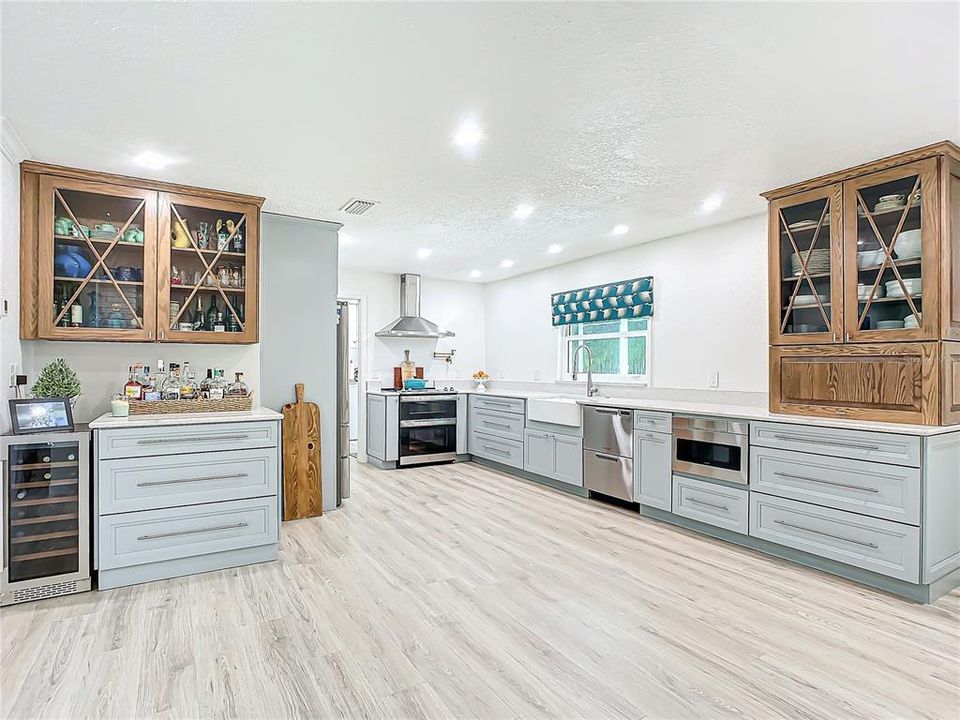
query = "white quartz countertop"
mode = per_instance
[
  {"x": 108, "y": 421},
  {"x": 727, "y": 410},
  {"x": 748, "y": 412}
]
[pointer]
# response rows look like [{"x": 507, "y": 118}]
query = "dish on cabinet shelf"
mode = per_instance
[
  {"x": 804, "y": 224},
  {"x": 911, "y": 323},
  {"x": 869, "y": 258},
  {"x": 809, "y": 300},
  {"x": 914, "y": 286},
  {"x": 864, "y": 291},
  {"x": 890, "y": 324},
  {"x": 818, "y": 262},
  {"x": 908, "y": 244}
]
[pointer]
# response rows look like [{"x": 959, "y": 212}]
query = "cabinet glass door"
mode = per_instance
[
  {"x": 891, "y": 254},
  {"x": 97, "y": 261},
  {"x": 208, "y": 270},
  {"x": 43, "y": 497},
  {"x": 805, "y": 287}
]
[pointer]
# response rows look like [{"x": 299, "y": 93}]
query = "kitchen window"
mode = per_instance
[{"x": 621, "y": 350}]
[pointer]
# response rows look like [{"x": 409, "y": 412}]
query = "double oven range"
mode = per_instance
[{"x": 428, "y": 427}]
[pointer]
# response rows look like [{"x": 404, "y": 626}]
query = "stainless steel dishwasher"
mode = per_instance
[{"x": 608, "y": 451}]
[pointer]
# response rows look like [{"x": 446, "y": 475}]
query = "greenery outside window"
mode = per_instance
[{"x": 621, "y": 350}]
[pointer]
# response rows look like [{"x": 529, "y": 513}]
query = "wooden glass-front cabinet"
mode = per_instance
[
  {"x": 865, "y": 291},
  {"x": 112, "y": 258}
]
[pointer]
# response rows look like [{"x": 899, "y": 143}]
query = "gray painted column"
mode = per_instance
[{"x": 298, "y": 324}]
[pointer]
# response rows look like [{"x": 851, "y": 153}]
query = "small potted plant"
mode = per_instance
[
  {"x": 57, "y": 380},
  {"x": 481, "y": 377}
]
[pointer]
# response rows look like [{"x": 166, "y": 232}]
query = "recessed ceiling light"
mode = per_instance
[
  {"x": 523, "y": 211},
  {"x": 468, "y": 135},
  {"x": 620, "y": 229},
  {"x": 424, "y": 253},
  {"x": 506, "y": 263},
  {"x": 475, "y": 273},
  {"x": 554, "y": 249},
  {"x": 711, "y": 203},
  {"x": 152, "y": 160}
]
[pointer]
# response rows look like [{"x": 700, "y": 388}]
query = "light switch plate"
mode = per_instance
[{"x": 714, "y": 378}]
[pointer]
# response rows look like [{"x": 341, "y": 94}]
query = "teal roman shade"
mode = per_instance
[{"x": 613, "y": 301}]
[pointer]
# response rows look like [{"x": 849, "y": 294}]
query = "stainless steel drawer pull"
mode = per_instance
[
  {"x": 208, "y": 438},
  {"x": 205, "y": 478},
  {"x": 609, "y": 458},
  {"x": 826, "y": 534},
  {"x": 496, "y": 424},
  {"x": 611, "y": 411},
  {"x": 707, "y": 504},
  {"x": 496, "y": 450},
  {"x": 832, "y": 443},
  {"x": 193, "y": 532},
  {"x": 826, "y": 482},
  {"x": 495, "y": 402},
  {"x": 651, "y": 436}
]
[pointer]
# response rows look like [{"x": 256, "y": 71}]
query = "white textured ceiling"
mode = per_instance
[{"x": 597, "y": 114}]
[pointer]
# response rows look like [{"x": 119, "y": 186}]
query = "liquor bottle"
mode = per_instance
[
  {"x": 232, "y": 324},
  {"x": 199, "y": 321},
  {"x": 133, "y": 390},
  {"x": 218, "y": 324},
  {"x": 76, "y": 315},
  {"x": 238, "y": 388},
  {"x": 171, "y": 384},
  {"x": 188, "y": 383},
  {"x": 205, "y": 384},
  {"x": 217, "y": 385},
  {"x": 161, "y": 377},
  {"x": 151, "y": 388},
  {"x": 212, "y": 312},
  {"x": 62, "y": 310}
]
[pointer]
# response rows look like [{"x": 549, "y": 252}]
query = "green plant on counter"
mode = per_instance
[{"x": 57, "y": 379}]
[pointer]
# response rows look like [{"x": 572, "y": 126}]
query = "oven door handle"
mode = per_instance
[{"x": 434, "y": 422}]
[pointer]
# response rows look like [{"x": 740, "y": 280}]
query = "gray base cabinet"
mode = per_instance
[
  {"x": 711, "y": 503},
  {"x": 175, "y": 500},
  {"x": 383, "y": 427},
  {"x": 553, "y": 456},
  {"x": 652, "y": 466}
]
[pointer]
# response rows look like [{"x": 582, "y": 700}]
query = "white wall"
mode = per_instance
[
  {"x": 13, "y": 152},
  {"x": 102, "y": 367},
  {"x": 710, "y": 308},
  {"x": 455, "y": 306}
]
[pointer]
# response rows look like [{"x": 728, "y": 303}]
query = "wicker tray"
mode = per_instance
[{"x": 167, "y": 407}]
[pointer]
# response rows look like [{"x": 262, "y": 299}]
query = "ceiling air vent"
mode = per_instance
[{"x": 356, "y": 206}]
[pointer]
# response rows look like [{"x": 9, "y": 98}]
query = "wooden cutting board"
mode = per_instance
[
  {"x": 398, "y": 382},
  {"x": 302, "y": 479}
]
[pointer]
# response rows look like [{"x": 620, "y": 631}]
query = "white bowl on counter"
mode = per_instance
[{"x": 908, "y": 245}]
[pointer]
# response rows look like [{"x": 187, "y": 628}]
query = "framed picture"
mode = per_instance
[{"x": 41, "y": 415}]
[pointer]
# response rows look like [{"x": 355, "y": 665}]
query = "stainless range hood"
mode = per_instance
[{"x": 410, "y": 324}]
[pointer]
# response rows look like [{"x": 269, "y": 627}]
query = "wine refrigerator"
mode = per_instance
[{"x": 46, "y": 515}]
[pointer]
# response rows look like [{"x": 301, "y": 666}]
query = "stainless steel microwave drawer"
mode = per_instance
[
  {"x": 501, "y": 424},
  {"x": 608, "y": 430},
  {"x": 152, "y": 536},
  {"x": 885, "y": 491},
  {"x": 501, "y": 450},
  {"x": 179, "y": 439},
  {"x": 149, "y": 483},
  {"x": 652, "y": 420},
  {"x": 882, "y": 546},
  {"x": 855, "y": 444},
  {"x": 711, "y": 503},
  {"x": 498, "y": 404}
]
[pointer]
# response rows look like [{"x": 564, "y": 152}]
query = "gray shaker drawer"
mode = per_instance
[
  {"x": 884, "y": 491},
  {"x": 502, "y": 424},
  {"x": 711, "y": 503},
  {"x": 179, "y": 439},
  {"x": 498, "y": 404},
  {"x": 854, "y": 444},
  {"x": 149, "y": 483},
  {"x": 881, "y": 546},
  {"x": 156, "y": 535},
  {"x": 653, "y": 420},
  {"x": 508, "y": 452}
]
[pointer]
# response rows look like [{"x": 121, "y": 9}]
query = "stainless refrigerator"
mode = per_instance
[{"x": 343, "y": 402}]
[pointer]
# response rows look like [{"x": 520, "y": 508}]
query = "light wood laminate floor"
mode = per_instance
[{"x": 455, "y": 591}]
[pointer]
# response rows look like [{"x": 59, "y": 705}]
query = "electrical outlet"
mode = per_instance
[
  {"x": 4, "y": 307},
  {"x": 536, "y": 374},
  {"x": 714, "y": 379}
]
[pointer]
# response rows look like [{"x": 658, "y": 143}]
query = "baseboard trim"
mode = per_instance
[{"x": 532, "y": 477}]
